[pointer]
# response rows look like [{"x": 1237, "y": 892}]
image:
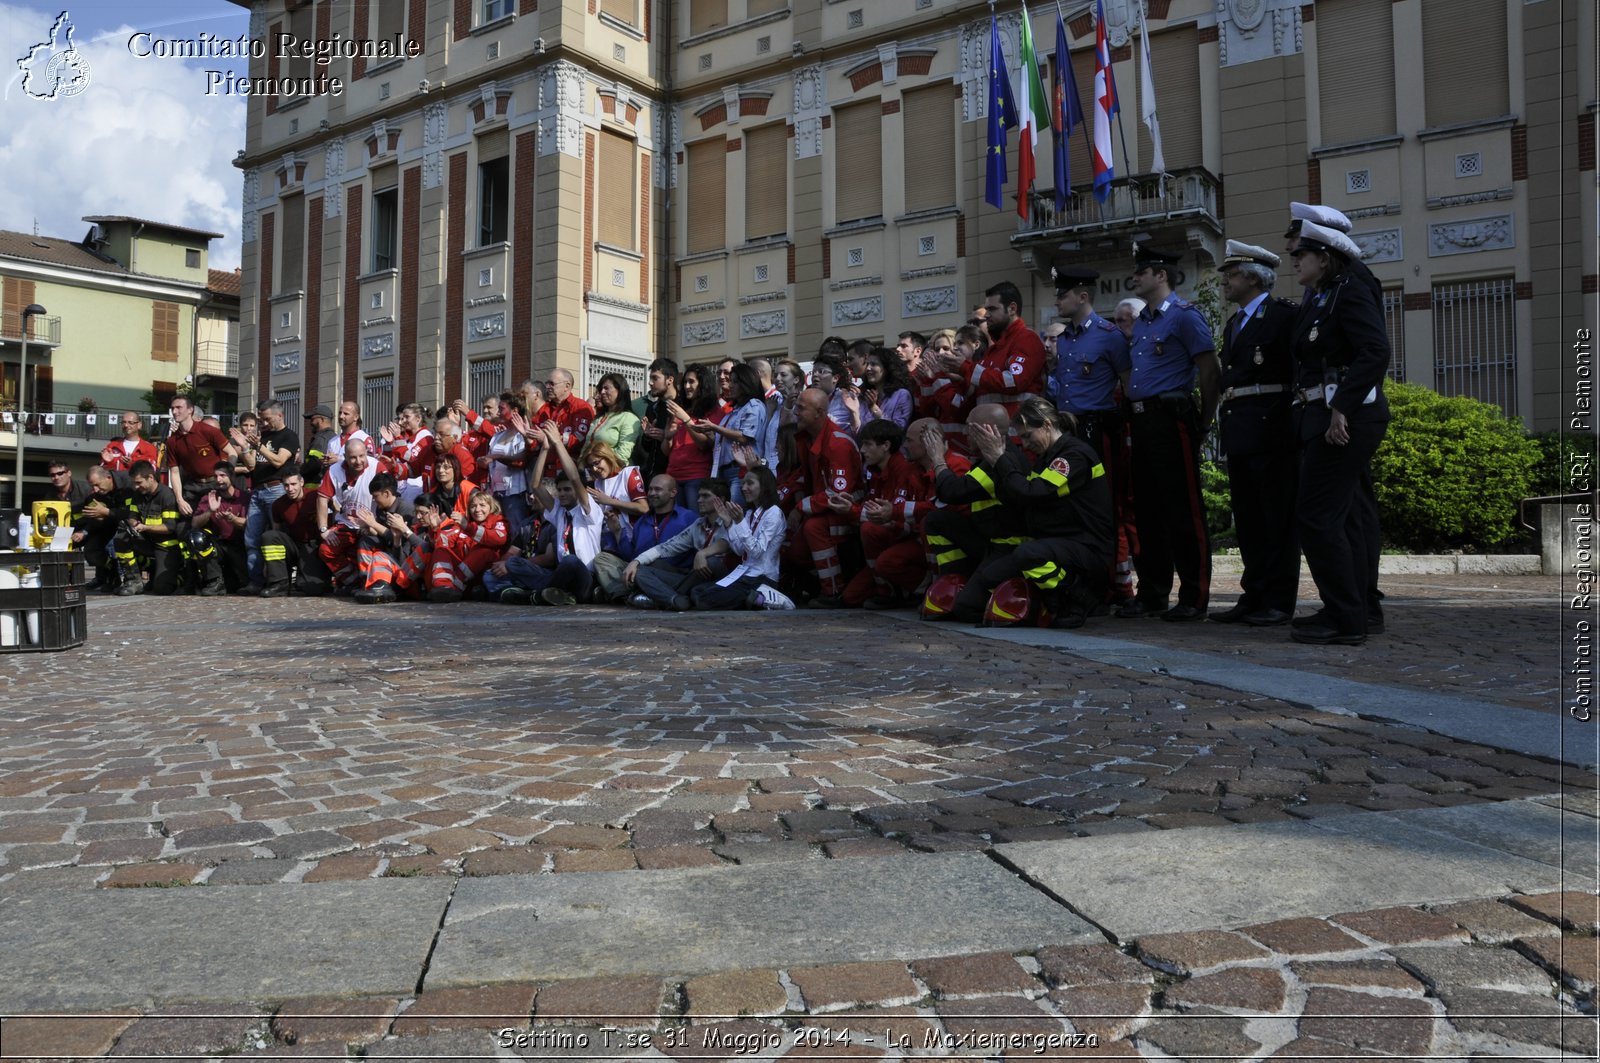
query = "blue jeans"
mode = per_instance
[
  {"x": 689, "y": 494},
  {"x": 514, "y": 507},
  {"x": 570, "y": 575},
  {"x": 257, "y": 522}
]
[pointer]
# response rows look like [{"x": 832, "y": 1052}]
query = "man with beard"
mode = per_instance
[{"x": 1013, "y": 367}]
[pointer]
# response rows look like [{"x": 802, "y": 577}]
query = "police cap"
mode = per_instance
[{"x": 1240, "y": 253}]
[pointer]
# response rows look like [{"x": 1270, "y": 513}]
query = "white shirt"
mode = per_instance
[
  {"x": 587, "y": 524},
  {"x": 351, "y": 494},
  {"x": 756, "y": 538},
  {"x": 503, "y": 479},
  {"x": 335, "y": 452}
]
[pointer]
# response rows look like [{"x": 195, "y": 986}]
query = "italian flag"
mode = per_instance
[{"x": 1031, "y": 110}]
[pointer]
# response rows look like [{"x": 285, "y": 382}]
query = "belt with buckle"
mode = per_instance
[{"x": 1253, "y": 389}]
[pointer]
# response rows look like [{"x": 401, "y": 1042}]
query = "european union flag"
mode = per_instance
[{"x": 1002, "y": 117}]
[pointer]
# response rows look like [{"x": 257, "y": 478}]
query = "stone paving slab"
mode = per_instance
[
  {"x": 698, "y": 921},
  {"x": 86, "y": 950},
  {"x": 1472, "y": 719},
  {"x": 1529, "y": 829},
  {"x": 1183, "y": 880}
]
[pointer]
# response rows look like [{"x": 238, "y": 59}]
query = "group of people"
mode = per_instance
[{"x": 983, "y": 473}]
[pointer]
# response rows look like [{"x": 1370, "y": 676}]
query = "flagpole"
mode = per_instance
[{"x": 1088, "y": 140}]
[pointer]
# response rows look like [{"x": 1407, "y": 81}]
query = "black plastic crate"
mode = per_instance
[{"x": 62, "y": 614}]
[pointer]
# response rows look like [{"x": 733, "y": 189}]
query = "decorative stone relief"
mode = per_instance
[
  {"x": 333, "y": 179},
  {"x": 374, "y": 322},
  {"x": 858, "y": 311},
  {"x": 1250, "y": 30},
  {"x": 434, "y": 124},
  {"x": 698, "y": 333},
  {"x": 701, "y": 308},
  {"x": 925, "y": 301},
  {"x": 975, "y": 61},
  {"x": 1380, "y": 245},
  {"x": 377, "y": 346},
  {"x": 667, "y": 142},
  {"x": 888, "y": 61},
  {"x": 250, "y": 196},
  {"x": 286, "y": 363},
  {"x": 769, "y": 323},
  {"x": 730, "y": 104},
  {"x": 764, "y": 297},
  {"x": 931, "y": 271},
  {"x": 487, "y": 327},
  {"x": 485, "y": 300},
  {"x": 1466, "y": 237},
  {"x": 561, "y": 110},
  {"x": 810, "y": 104}
]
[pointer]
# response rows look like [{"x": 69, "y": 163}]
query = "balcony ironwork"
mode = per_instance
[
  {"x": 217, "y": 358},
  {"x": 1188, "y": 195},
  {"x": 42, "y": 331}
]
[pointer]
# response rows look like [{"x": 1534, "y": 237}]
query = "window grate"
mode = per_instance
[
  {"x": 1394, "y": 321},
  {"x": 1470, "y": 164},
  {"x": 486, "y": 378},
  {"x": 1474, "y": 342},
  {"x": 636, "y": 373},
  {"x": 377, "y": 402},
  {"x": 290, "y": 397},
  {"x": 1357, "y": 181}
]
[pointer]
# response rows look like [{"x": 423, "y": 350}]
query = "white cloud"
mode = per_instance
[{"x": 142, "y": 139}]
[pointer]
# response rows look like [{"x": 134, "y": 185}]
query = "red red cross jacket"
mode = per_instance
[
  {"x": 832, "y": 463},
  {"x": 904, "y": 485},
  {"x": 1012, "y": 367}
]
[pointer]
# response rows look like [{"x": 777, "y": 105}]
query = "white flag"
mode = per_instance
[
  {"x": 6, "y": 416},
  {"x": 155, "y": 419},
  {"x": 72, "y": 418},
  {"x": 91, "y": 419},
  {"x": 1147, "y": 102},
  {"x": 50, "y": 418}
]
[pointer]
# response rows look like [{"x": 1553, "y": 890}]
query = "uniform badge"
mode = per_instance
[
  {"x": 1312, "y": 336},
  {"x": 1018, "y": 366},
  {"x": 1258, "y": 359},
  {"x": 1061, "y": 466},
  {"x": 839, "y": 483},
  {"x": 1161, "y": 348},
  {"x": 1084, "y": 369}
]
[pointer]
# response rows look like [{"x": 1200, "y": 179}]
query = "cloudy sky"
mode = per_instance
[{"x": 142, "y": 138}]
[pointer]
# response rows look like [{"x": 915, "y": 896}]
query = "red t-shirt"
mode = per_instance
[
  {"x": 691, "y": 459},
  {"x": 196, "y": 451}
]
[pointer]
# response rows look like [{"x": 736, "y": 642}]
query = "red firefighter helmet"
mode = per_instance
[
  {"x": 1011, "y": 603},
  {"x": 940, "y": 600}
]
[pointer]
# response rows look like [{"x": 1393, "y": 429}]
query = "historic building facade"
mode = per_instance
[{"x": 593, "y": 183}]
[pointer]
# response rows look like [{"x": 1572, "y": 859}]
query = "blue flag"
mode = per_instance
[
  {"x": 1068, "y": 113},
  {"x": 1002, "y": 117}
]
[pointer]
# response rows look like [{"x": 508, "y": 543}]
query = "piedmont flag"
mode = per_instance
[
  {"x": 1068, "y": 113},
  {"x": 1147, "y": 104},
  {"x": 1105, "y": 105},
  {"x": 1030, "y": 112},
  {"x": 1002, "y": 116}
]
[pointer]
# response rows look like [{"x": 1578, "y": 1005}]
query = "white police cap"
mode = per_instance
[
  {"x": 1321, "y": 215},
  {"x": 1239, "y": 253},
  {"x": 1318, "y": 237}
]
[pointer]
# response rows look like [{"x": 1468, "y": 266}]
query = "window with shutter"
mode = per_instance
[
  {"x": 766, "y": 7},
  {"x": 618, "y": 164},
  {"x": 292, "y": 246},
  {"x": 1464, "y": 60},
  {"x": 858, "y": 161},
  {"x": 164, "y": 331},
  {"x": 389, "y": 16},
  {"x": 930, "y": 147},
  {"x": 494, "y": 198},
  {"x": 18, "y": 295},
  {"x": 766, "y": 181},
  {"x": 621, "y": 10},
  {"x": 707, "y": 15},
  {"x": 1355, "y": 69},
  {"x": 1175, "y": 59},
  {"x": 707, "y": 162}
]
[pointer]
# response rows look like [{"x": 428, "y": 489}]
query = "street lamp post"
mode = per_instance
[{"x": 31, "y": 310}]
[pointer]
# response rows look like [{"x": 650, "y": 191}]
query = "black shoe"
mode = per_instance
[
  {"x": 880, "y": 602},
  {"x": 446, "y": 595},
  {"x": 1266, "y": 618},
  {"x": 515, "y": 596},
  {"x": 130, "y": 587},
  {"x": 641, "y": 601},
  {"x": 1321, "y": 635},
  {"x": 827, "y": 601},
  {"x": 1235, "y": 615},
  {"x": 215, "y": 589},
  {"x": 379, "y": 593},
  {"x": 275, "y": 590},
  {"x": 1182, "y": 613},
  {"x": 1374, "y": 624},
  {"x": 1316, "y": 619},
  {"x": 1134, "y": 609},
  {"x": 1072, "y": 618},
  {"x": 556, "y": 596},
  {"x": 681, "y": 603}
]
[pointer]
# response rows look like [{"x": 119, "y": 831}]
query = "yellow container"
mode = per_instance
[{"x": 47, "y": 517}]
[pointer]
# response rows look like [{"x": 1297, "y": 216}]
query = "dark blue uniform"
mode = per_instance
[
  {"x": 1257, "y": 434},
  {"x": 1341, "y": 347},
  {"x": 1167, "y": 505}
]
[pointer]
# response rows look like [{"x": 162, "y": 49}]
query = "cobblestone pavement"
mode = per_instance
[
  {"x": 314, "y": 740},
  {"x": 1489, "y": 979},
  {"x": 1477, "y": 636}
]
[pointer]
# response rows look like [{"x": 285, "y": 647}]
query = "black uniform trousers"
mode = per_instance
[
  {"x": 1263, "y": 482},
  {"x": 1168, "y": 506},
  {"x": 311, "y": 575},
  {"x": 1337, "y": 531}
]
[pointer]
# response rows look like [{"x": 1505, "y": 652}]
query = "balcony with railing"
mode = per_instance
[
  {"x": 217, "y": 359},
  {"x": 42, "y": 331},
  {"x": 1186, "y": 196}
]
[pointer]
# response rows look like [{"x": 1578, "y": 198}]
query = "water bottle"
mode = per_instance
[
  {"x": 24, "y": 532},
  {"x": 30, "y": 581},
  {"x": 8, "y": 621}
]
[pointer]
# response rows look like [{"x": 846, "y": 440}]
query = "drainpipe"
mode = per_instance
[{"x": 669, "y": 34}]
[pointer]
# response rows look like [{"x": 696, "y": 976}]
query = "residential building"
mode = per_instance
[
  {"x": 133, "y": 312},
  {"x": 593, "y": 183}
]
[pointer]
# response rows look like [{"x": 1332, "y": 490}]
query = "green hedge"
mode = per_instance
[{"x": 1451, "y": 472}]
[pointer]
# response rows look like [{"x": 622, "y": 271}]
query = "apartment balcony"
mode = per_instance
[
  {"x": 1181, "y": 212},
  {"x": 216, "y": 360},
  {"x": 42, "y": 331}
]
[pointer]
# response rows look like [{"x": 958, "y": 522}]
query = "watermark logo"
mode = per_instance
[{"x": 53, "y": 68}]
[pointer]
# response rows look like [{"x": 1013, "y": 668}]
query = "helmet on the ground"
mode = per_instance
[
  {"x": 941, "y": 597},
  {"x": 1011, "y": 603}
]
